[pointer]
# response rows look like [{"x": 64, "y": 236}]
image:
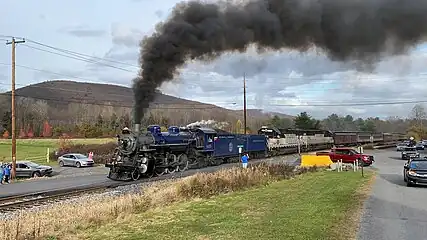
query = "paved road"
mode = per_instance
[
  {"x": 394, "y": 211},
  {"x": 32, "y": 186}
]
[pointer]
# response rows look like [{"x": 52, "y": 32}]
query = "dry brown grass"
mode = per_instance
[
  {"x": 353, "y": 216},
  {"x": 61, "y": 221}
]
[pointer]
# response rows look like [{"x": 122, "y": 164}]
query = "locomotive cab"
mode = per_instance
[
  {"x": 205, "y": 139},
  {"x": 270, "y": 132}
]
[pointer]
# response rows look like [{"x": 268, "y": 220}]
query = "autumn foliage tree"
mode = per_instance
[
  {"x": 30, "y": 132},
  {"x": 47, "y": 130},
  {"x": 22, "y": 133},
  {"x": 6, "y": 134}
]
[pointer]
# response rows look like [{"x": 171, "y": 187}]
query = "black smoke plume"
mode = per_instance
[{"x": 361, "y": 30}]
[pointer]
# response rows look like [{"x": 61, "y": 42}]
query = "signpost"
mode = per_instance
[{"x": 240, "y": 151}]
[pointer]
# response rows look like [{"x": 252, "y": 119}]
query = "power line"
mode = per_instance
[
  {"x": 206, "y": 80},
  {"x": 80, "y": 54},
  {"x": 80, "y": 59},
  {"x": 86, "y": 58},
  {"x": 210, "y": 106},
  {"x": 125, "y": 96}
]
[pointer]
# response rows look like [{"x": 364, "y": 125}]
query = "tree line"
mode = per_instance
[
  {"x": 414, "y": 125},
  {"x": 107, "y": 126}
]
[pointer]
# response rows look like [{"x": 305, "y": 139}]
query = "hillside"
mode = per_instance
[{"x": 72, "y": 102}]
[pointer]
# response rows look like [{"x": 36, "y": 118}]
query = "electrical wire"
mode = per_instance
[{"x": 90, "y": 59}]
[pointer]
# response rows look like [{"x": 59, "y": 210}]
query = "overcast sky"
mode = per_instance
[{"x": 113, "y": 29}]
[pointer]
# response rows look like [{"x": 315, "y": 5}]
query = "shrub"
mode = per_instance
[
  {"x": 204, "y": 185},
  {"x": 101, "y": 152}
]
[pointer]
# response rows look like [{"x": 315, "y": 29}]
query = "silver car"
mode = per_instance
[
  {"x": 75, "y": 159},
  {"x": 30, "y": 169},
  {"x": 400, "y": 147}
]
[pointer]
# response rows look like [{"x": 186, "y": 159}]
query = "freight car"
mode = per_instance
[{"x": 353, "y": 138}]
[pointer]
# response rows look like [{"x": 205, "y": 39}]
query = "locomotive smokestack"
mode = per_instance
[{"x": 137, "y": 127}]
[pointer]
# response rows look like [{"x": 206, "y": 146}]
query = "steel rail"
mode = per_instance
[{"x": 15, "y": 203}]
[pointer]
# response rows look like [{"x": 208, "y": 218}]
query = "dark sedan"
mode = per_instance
[
  {"x": 30, "y": 169},
  {"x": 415, "y": 172}
]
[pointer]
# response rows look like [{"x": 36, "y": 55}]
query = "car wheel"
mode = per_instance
[
  {"x": 78, "y": 165},
  {"x": 404, "y": 177},
  {"x": 61, "y": 163},
  {"x": 36, "y": 174}
]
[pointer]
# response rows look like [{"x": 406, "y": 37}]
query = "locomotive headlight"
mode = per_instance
[{"x": 144, "y": 160}]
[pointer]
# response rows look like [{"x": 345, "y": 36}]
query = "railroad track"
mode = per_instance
[
  {"x": 21, "y": 202},
  {"x": 16, "y": 203}
]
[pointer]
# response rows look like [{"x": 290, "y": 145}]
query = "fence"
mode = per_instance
[
  {"x": 40, "y": 158},
  {"x": 355, "y": 165}
]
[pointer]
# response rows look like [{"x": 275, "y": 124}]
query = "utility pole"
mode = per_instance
[
  {"x": 13, "y": 43},
  {"x": 244, "y": 102}
]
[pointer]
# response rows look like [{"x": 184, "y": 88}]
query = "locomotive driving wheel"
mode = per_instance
[
  {"x": 183, "y": 162},
  {"x": 136, "y": 174}
]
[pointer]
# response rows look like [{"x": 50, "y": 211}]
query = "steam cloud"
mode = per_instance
[{"x": 361, "y": 30}]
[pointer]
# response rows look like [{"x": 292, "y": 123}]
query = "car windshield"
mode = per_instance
[
  {"x": 419, "y": 164},
  {"x": 401, "y": 144},
  {"x": 80, "y": 156},
  {"x": 410, "y": 149},
  {"x": 31, "y": 164},
  {"x": 354, "y": 151}
]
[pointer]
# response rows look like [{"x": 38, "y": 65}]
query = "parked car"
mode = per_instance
[
  {"x": 415, "y": 171},
  {"x": 410, "y": 152},
  {"x": 31, "y": 169},
  {"x": 419, "y": 146},
  {"x": 75, "y": 160},
  {"x": 400, "y": 147},
  {"x": 348, "y": 155}
]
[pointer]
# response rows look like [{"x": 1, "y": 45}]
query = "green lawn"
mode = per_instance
[
  {"x": 36, "y": 149},
  {"x": 312, "y": 206}
]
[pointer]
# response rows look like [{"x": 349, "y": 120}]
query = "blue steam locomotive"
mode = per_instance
[{"x": 154, "y": 153}]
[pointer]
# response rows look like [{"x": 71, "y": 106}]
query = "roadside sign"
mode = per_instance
[
  {"x": 240, "y": 150},
  {"x": 240, "y": 146}
]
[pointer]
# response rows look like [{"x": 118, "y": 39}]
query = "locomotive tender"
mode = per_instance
[{"x": 154, "y": 153}]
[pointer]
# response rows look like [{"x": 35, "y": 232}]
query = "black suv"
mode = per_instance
[{"x": 415, "y": 171}]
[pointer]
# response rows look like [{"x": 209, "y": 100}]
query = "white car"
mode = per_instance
[{"x": 400, "y": 147}]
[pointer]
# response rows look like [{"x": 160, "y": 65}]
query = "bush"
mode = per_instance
[
  {"x": 101, "y": 152},
  {"x": 204, "y": 185}
]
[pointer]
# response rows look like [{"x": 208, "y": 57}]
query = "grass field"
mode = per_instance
[
  {"x": 36, "y": 149},
  {"x": 313, "y": 206},
  {"x": 280, "y": 202}
]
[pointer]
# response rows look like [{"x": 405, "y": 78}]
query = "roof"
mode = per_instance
[{"x": 206, "y": 130}]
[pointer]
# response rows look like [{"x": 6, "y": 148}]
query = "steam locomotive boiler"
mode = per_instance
[{"x": 149, "y": 153}]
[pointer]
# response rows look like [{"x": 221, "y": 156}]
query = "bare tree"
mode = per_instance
[{"x": 418, "y": 114}]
